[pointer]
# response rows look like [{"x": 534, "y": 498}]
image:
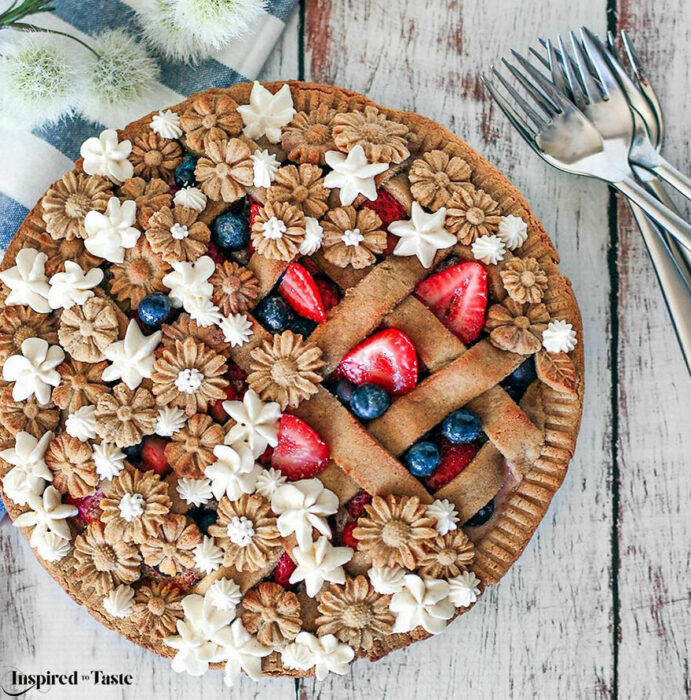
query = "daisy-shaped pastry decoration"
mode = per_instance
[{"x": 423, "y": 235}]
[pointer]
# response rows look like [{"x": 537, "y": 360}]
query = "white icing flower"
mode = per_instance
[
  {"x": 302, "y": 505},
  {"x": 105, "y": 156},
  {"x": 119, "y": 601},
  {"x": 240, "y": 531},
  {"x": 47, "y": 514},
  {"x": 445, "y": 514},
  {"x": 352, "y": 174},
  {"x": 73, "y": 286},
  {"x": 268, "y": 482},
  {"x": 30, "y": 473},
  {"x": 256, "y": 422},
  {"x": 179, "y": 231},
  {"x": 170, "y": 420},
  {"x": 422, "y": 602},
  {"x": 387, "y": 580},
  {"x": 326, "y": 654},
  {"x": 224, "y": 594},
  {"x": 109, "y": 460},
  {"x": 190, "y": 197},
  {"x": 203, "y": 311},
  {"x": 196, "y": 492},
  {"x": 110, "y": 234},
  {"x": 273, "y": 228},
  {"x": 34, "y": 370},
  {"x": 27, "y": 281},
  {"x": 463, "y": 589},
  {"x": 488, "y": 249},
  {"x": 513, "y": 231},
  {"x": 132, "y": 359},
  {"x": 189, "y": 380},
  {"x": 52, "y": 548},
  {"x": 189, "y": 280},
  {"x": 167, "y": 124},
  {"x": 194, "y": 644},
  {"x": 82, "y": 423},
  {"x": 241, "y": 651},
  {"x": 423, "y": 235},
  {"x": 131, "y": 506},
  {"x": 559, "y": 336},
  {"x": 234, "y": 471},
  {"x": 314, "y": 236},
  {"x": 319, "y": 562},
  {"x": 207, "y": 556},
  {"x": 237, "y": 329},
  {"x": 265, "y": 167},
  {"x": 267, "y": 114},
  {"x": 352, "y": 238}
]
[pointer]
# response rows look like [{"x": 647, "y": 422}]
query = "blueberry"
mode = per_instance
[
  {"x": 231, "y": 232},
  {"x": 303, "y": 326},
  {"x": 422, "y": 458},
  {"x": 461, "y": 426},
  {"x": 274, "y": 314},
  {"x": 154, "y": 309},
  {"x": 482, "y": 516},
  {"x": 134, "y": 452},
  {"x": 369, "y": 401},
  {"x": 524, "y": 374},
  {"x": 344, "y": 390},
  {"x": 184, "y": 173},
  {"x": 515, "y": 391},
  {"x": 203, "y": 518}
]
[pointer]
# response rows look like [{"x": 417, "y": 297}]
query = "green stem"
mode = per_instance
[{"x": 20, "y": 26}]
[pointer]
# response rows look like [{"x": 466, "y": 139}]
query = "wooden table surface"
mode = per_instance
[{"x": 598, "y": 606}]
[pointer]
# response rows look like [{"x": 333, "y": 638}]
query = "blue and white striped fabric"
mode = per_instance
[{"x": 33, "y": 160}]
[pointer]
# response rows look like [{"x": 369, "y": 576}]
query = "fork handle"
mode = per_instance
[
  {"x": 674, "y": 287},
  {"x": 667, "y": 172},
  {"x": 662, "y": 215}
]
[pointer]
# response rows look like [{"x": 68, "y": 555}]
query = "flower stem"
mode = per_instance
[{"x": 20, "y": 26}]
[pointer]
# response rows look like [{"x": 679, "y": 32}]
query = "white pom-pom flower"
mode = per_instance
[
  {"x": 513, "y": 231},
  {"x": 192, "y": 198},
  {"x": 82, "y": 423},
  {"x": 109, "y": 460}
]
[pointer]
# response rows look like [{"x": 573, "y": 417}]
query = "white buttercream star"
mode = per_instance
[
  {"x": 422, "y": 235},
  {"x": 488, "y": 249},
  {"x": 242, "y": 652},
  {"x": 30, "y": 473},
  {"x": 463, "y": 589},
  {"x": 190, "y": 197},
  {"x": 33, "y": 372},
  {"x": 325, "y": 653},
  {"x": 203, "y": 311},
  {"x": 267, "y": 114},
  {"x": 170, "y": 420},
  {"x": 559, "y": 336},
  {"x": 73, "y": 286},
  {"x": 352, "y": 174},
  {"x": 237, "y": 329},
  {"x": 52, "y": 548},
  {"x": 513, "y": 231},
  {"x": 319, "y": 562},
  {"x": 167, "y": 124},
  {"x": 268, "y": 482},
  {"x": 207, "y": 555},
  {"x": 27, "y": 281},
  {"x": 256, "y": 422},
  {"x": 387, "y": 580},
  {"x": 103, "y": 155},
  {"x": 446, "y": 515},
  {"x": 234, "y": 471},
  {"x": 82, "y": 423},
  {"x": 132, "y": 359},
  {"x": 109, "y": 460},
  {"x": 47, "y": 514},
  {"x": 314, "y": 236},
  {"x": 422, "y": 602},
  {"x": 265, "y": 167},
  {"x": 120, "y": 601},
  {"x": 224, "y": 594},
  {"x": 196, "y": 492},
  {"x": 189, "y": 280},
  {"x": 110, "y": 234}
]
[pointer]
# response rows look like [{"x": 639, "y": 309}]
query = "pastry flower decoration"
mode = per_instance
[
  {"x": 265, "y": 167},
  {"x": 27, "y": 281},
  {"x": 301, "y": 506},
  {"x": 189, "y": 281},
  {"x": 132, "y": 359},
  {"x": 423, "y": 235},
  {"x": 422, "y": 603},
  {"x": 34, "y": 370},
  {"x": 463, "y": 589},
  {"x": 110, "y": 234},
  {"x": 234, "y": 471},
  {"x": 319, "y": 562},
  {"x": 103, "y": 155},
  {"x": 326, "y": 654},
  {"x": 256, "y": 423},
  {"x": 29, "y": 474},
  {"x": 267, "y": 114},
  {"x": 241, "y": 652},
  {"x": 353, "y": 174},
  {"x": 47, "y": 514},
  {"x": 166, "y": 124},
  {"x": 73, "y": 286},
  {"x": 559, "y": 336}
]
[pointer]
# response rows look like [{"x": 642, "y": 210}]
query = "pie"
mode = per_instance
[{"x": 289, "y": 379}]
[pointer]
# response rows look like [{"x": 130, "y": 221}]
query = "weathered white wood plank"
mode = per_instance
[
  {"x": 654, "y": 408},
  {"x": 545, "y": 631}
]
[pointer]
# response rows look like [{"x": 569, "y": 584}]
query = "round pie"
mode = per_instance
[{"x": 288, "y": 379}]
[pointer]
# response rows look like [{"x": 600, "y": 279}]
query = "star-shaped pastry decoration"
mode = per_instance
[
  {"x": 423, "y": 235},
  {"x": 352, "y": 174},
  {"x": 132, "y": 359}
]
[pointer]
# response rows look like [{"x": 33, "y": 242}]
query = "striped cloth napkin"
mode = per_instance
[{"x": 33, "y": 160}]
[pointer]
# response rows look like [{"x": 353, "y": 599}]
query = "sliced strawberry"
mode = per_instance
[
  {"x": 387, "y": 207},
  {"x": 457, "y": 296},
  {"x": 347, "y": 537},
  {"x": 284, "y": 570},
  {"x": 387, "y": 358},
  {"x": 454, "y": 459},
  {"x": 254, "y": 210},
  {"x": 217, "y": 411},
  {"x": 299, "y": 289},
  {"x": 300, "y": 453},
  {"x": 329, "y": 293},
  {"x": 310, "y": 266},
  {"x": 89, "y": 507},
  {"x": 215, "y": 254},
  {"x": 265, "y": 457},
  {"x": 356, "y": 505},
  {"x": 153, "y": 455}
]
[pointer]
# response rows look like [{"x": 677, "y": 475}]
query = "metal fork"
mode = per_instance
[{"x": 564, "y": 137}]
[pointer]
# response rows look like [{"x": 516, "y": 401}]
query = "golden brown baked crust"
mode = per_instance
[{"x": 537, "y": 438}]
